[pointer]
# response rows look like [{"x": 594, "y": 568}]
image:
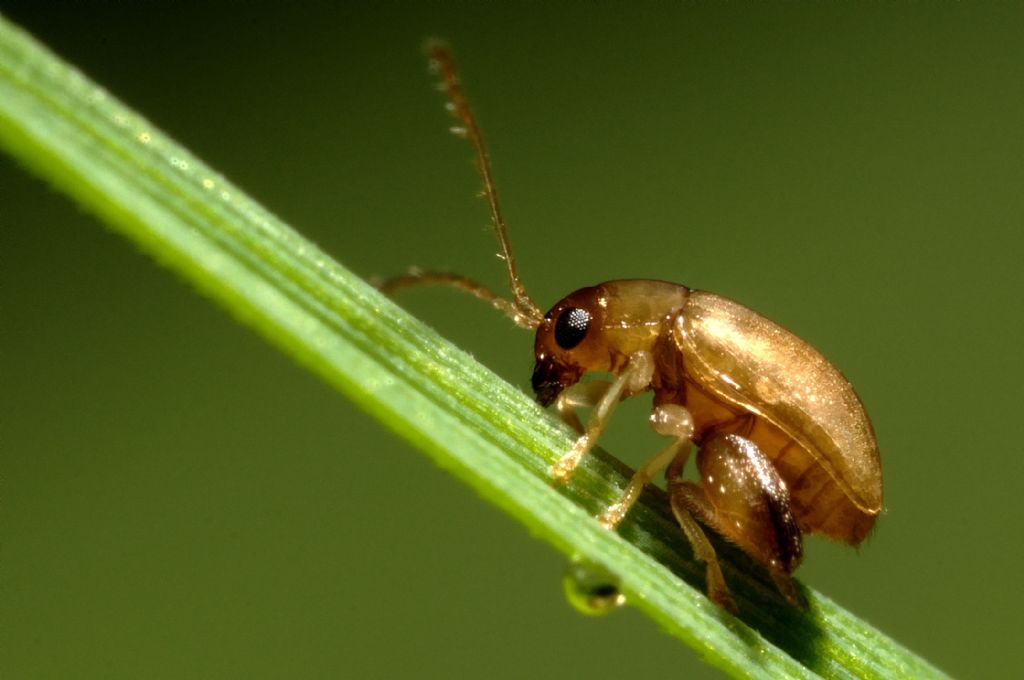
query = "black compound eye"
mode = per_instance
[{"x": 571, "y": 327}]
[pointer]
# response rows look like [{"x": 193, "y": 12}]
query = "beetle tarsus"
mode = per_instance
[
  {"x": 784, "y": 582},
  {"x": 617, "y": 511}
]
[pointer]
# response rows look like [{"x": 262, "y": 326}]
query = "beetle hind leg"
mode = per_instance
[
  {"x": 718, "y": 592},
  {"x": 742, "y": 498}
]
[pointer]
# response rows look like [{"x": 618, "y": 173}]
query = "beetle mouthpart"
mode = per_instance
[{"x": 547, "y": 381}]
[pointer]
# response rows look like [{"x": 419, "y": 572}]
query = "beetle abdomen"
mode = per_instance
[
  {"x": 824, "y": 447},
  {"x": 820, "y": 504}
]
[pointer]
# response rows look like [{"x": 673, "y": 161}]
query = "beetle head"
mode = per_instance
[
  {"x": 569, "y": 343},
  {"x": 598, "y": 329}
]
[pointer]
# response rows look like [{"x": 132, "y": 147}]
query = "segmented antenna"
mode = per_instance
[
  {"x": 442, "y": 62},
  {"x": 522, "y": 309}
]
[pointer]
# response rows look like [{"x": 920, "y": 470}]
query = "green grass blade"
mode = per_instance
[{"x": 140, "y": 183}]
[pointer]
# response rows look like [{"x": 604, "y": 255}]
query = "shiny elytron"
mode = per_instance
[{"x": 784, "y": 446}]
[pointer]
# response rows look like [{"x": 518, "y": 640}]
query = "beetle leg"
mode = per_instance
[
  {"x": 635, "y": 376},
  {"x": 675, "y": 469},
  {"x": 718, "y": 592},
  {"x": 744, "y": 499},
  {"x": 668, "y": 419},
  {"x": 611, "y": 517},
  {"x": 580, "y": 395},
  {"x": 784, "y": 582}
]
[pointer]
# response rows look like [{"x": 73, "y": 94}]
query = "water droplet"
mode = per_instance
[{"x": 591, "y": 589}]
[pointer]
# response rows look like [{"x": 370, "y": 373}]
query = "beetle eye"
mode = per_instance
[{"x": 571, "y": 327}]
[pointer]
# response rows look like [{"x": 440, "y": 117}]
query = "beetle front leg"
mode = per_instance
[
  {"x": 581, "y": 395},
  {"x": 635, "y": 377}
]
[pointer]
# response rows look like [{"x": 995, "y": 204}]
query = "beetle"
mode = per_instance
[{"x": 784, "y": 444}]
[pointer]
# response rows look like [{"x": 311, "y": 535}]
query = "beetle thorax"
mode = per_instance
[{"x": 634, "y": 316}]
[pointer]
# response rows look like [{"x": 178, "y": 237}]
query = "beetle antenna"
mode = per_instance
[
  {"x": 523, "y": 310},
  {"x": 416, "y": 277}
]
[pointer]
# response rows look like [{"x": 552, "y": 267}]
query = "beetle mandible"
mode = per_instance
[{"x": 784, "y": 444}]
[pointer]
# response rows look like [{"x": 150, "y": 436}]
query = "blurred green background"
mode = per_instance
[{"x": 180, "y": 500}]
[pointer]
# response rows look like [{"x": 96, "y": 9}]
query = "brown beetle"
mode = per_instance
[{"x": 785, "y": 446}]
